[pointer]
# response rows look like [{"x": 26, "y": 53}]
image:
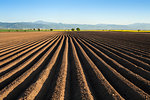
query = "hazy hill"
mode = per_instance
[{"x": 48, "y": 25}]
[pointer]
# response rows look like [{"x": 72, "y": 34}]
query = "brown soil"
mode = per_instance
[{"x": 74, "y": 65}]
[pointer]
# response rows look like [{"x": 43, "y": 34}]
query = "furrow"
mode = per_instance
[
  {"x": 144, "y": 59},
  {"x": 74, "y": 66},
  {"x": 85, "y": 92},
  {"x": 125, "y": 42},
  {"x": 13, "y": 45},
  {"x": 59, "y": 92},
  {"x": 131, "y": 59},
  {"x": 123, "y": 47},
  {"x": 14, "y": 88},
  {"x": 48, "y": 87},
  {"x": 101, "y": 87},
  {"x": 27, "y": 65},
  {"x": 16, "y": 42},
  {"x": 35, "y": 88},
  {"x": 21, "y": 55},
  {"x": 11, "y": 70},
  {"x": 132, "y": 77},
  {"x": 117, "y": 80},
  {"x": 16, "y": 52},
  {"x": 17, "y": 47},
  {"x": 136, "y": 69}
]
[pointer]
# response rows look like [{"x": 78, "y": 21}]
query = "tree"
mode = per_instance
[
  {"x": 78, "y": 29},
  {"x": 139, "y": 30},
  {"x": 72, "y": 29},
  {"x": 34, "y": 29},
  {"x": 51, "y": 29},
  {"x": 38, "y": 29}
]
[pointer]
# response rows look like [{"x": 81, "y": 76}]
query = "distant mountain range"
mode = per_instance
[{"x": 48, "y": 25}]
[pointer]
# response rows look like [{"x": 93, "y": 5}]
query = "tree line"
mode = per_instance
[{"x": 77, "y": 29}]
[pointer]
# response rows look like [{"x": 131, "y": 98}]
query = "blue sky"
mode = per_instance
[{"x": 76, "y": 11}]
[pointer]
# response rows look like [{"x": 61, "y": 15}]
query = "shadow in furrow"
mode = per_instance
[
  {"x": 140, "y": 83},
  {"x": 13, "y": 77},
  {"x": 86, "y": 68},
  {"x": 21, "y": 62},
  {"x": 50, "y": 83},
  {"x": 20, "y": 55},
  {"x": 19, "y": 46},
  {"x": 124, "y": 61},
  {"x": 98, "y": 89},
  {"x": 74, "y": 89},
  {"x": 123, "y": 56},
  {"x": 33, "y": 77},
  {"x": 25, "y": 47},
  {"x": 115, "y": 81}
]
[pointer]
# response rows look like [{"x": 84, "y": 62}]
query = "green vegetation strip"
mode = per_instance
[{"x": 35, "y": 30}]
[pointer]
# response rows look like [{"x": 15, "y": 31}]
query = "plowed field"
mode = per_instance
[{"x": 75, "y": 65}]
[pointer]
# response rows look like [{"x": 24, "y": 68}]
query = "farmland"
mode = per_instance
[{"x": 75, "y": 65}]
